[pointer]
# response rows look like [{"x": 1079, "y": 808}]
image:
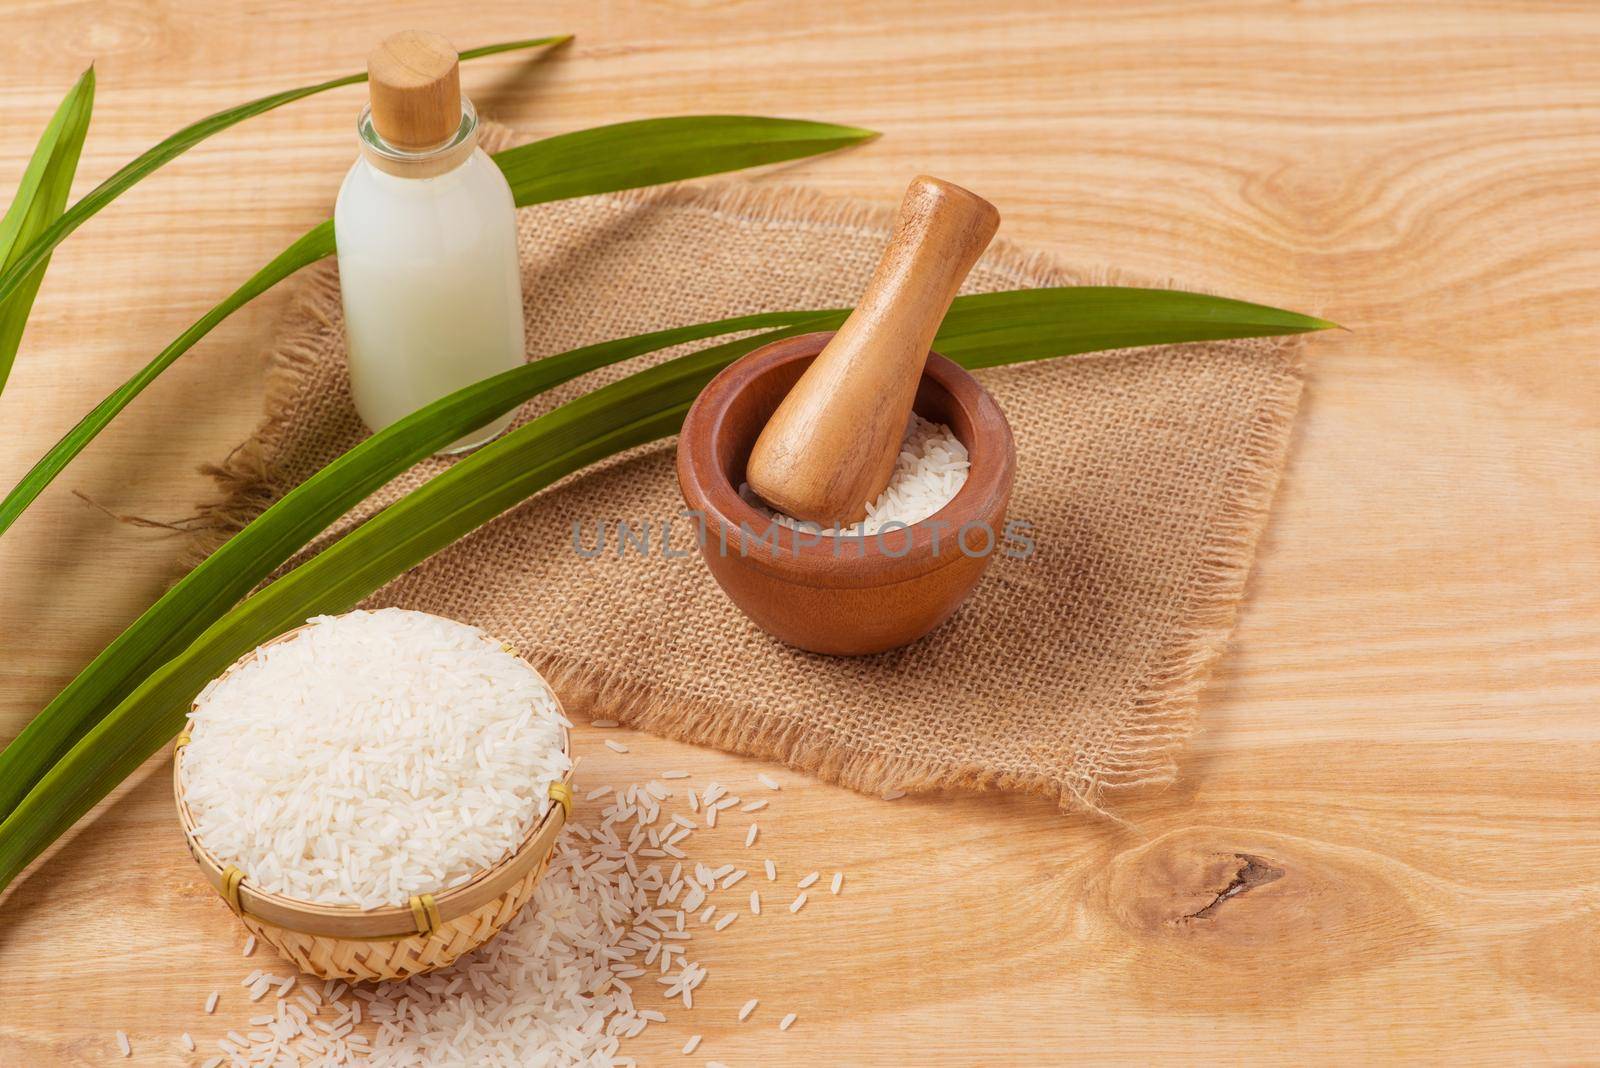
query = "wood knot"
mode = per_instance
[
  {"x": 1181, "y": 885},
  {"x": 1223, "y": 914},
  {"x": 1248, "y": 872}
]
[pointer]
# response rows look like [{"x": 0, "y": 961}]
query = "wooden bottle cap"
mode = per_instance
[{"x": 416, "y": 89}]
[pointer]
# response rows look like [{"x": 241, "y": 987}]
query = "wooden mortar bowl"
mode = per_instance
[{"x": 847, "y": 596}]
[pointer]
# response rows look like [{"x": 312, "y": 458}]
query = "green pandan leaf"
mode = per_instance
[
  {"x": 41, "y": 196},
  {"x": 605, "y": 159},
  {"x": 248, "y": 558},
  {"x": 980, "y": 331},
  {"x": 34, "y": 252}
]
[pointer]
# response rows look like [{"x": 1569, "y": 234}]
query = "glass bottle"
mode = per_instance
[{"x": 427, "y": 241}]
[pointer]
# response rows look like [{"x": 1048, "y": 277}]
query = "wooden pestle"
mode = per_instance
[{"x": 830, "y": 448}]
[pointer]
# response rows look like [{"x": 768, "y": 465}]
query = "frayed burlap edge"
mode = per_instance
[
  {"x": 1165, "y": 714},
  {"x": 250, "y": 482},
  {"x": 248, "y": 478}
]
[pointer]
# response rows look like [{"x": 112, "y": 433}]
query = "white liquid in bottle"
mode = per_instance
[{"x": 427, "y": 240}]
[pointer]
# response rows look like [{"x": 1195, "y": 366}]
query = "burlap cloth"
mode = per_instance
[{"x": 1072, "y": 674}]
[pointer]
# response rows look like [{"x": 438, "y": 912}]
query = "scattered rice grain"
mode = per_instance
[{"x": 604, "y": 914}]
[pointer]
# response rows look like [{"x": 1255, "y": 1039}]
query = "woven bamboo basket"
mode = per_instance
[{"x": 345, "y": 942}]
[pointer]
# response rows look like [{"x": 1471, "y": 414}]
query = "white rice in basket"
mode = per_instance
[
  {"x": 928, "y": 473},
  {"x": 371, "y": 757}
]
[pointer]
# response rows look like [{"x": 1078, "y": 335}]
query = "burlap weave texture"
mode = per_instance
[{"x": 1146, "y": 476}]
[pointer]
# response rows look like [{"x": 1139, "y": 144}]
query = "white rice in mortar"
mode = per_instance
[
  {"x": 928, "y": 473},
  {"x": 371, "y": 757}
]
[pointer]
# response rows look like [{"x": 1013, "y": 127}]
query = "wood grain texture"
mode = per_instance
[{"x": 1385, "y": 844}]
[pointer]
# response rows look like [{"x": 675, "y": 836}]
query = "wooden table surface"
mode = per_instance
[{"x": 1406, "y": 727}]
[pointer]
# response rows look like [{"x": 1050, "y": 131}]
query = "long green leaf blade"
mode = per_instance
[
  {"x": 113, "y": 748},
  {"x": 642, "y": 407},
  {"x": 308, "y": 249},
  {"x": 987, "y": 329},
  {"x": 629, "y": 155},
  {"x": 250, "y": 556},
  {"x": 537, "y": 174},
  {"x": 73, "y": 111},
  {"x": 978, "y": 331},
  {"x": 40, "y": 198},
  {"x": 154, "y": 158}
]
